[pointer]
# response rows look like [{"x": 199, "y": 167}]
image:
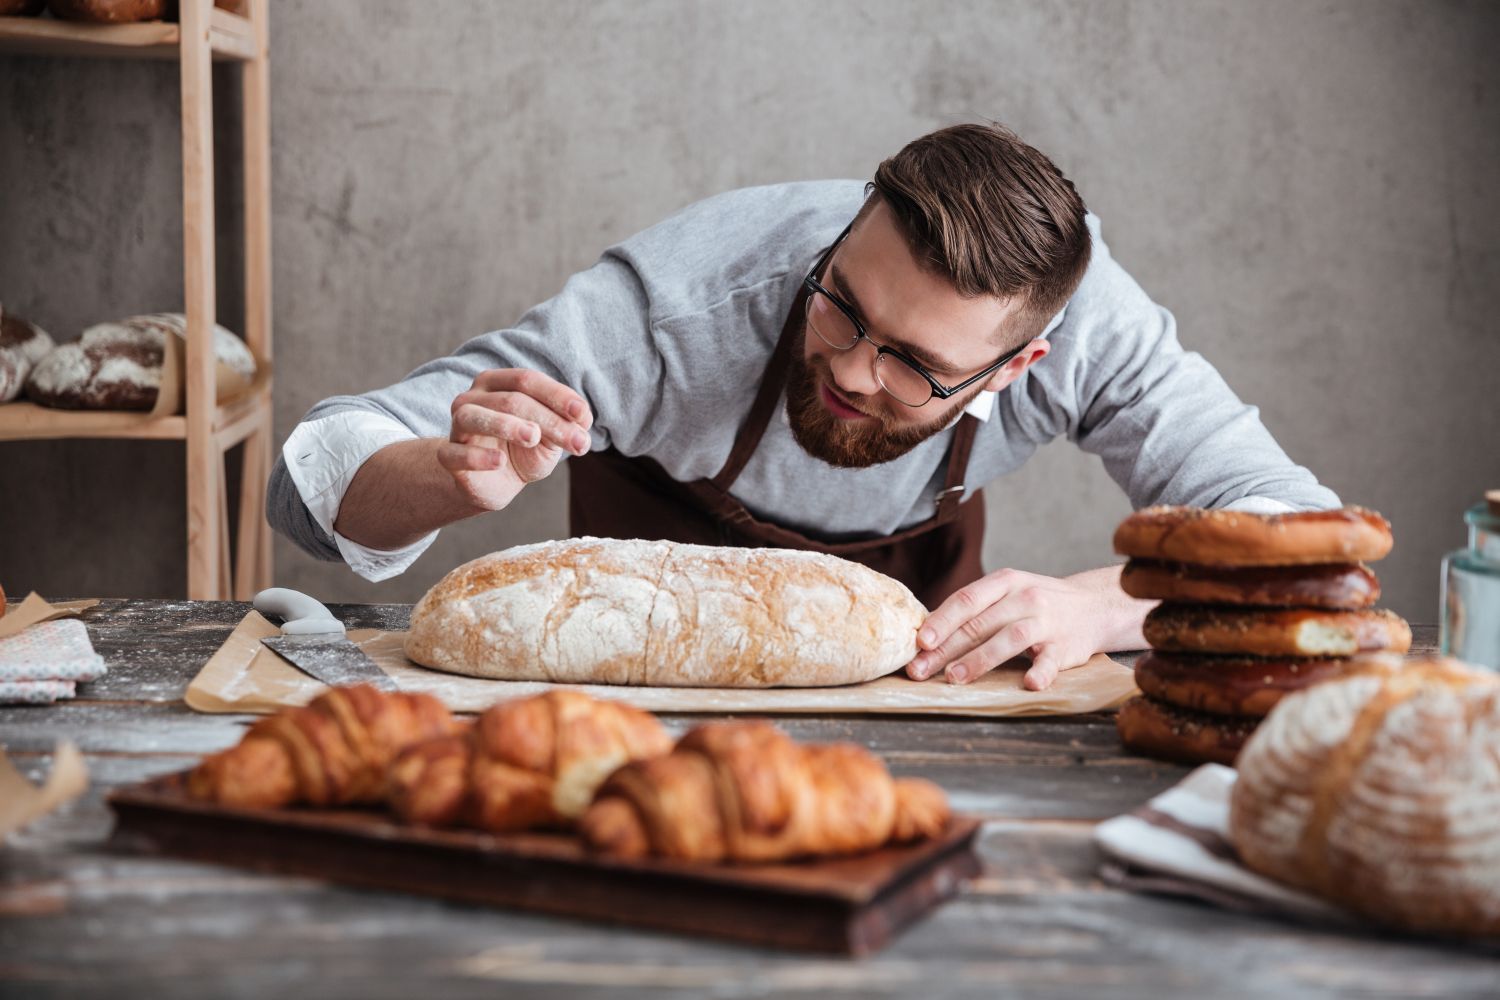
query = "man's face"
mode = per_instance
[{"x": 839, "y": 413}]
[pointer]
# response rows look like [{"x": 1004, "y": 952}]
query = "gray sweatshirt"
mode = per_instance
[{"x": 667, "y": 337}]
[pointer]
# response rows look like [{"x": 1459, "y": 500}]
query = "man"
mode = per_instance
[{"x": 761, "y": 370}]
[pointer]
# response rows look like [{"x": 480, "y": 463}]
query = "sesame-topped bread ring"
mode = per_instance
[
  {"x": 1171, "y": 732},
  {"x": 1202, "y": 628},
  {"x": 1237, "y": 538}
]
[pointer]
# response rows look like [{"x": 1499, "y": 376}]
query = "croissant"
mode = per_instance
[
  {"x": 333, "y": 751},
  {"x": 744, "y": 791},
  {"x": 1381, "y": 791},
  {"x": 525, "y": 763}
]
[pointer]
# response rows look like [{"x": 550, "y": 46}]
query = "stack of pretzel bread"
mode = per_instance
[
  {"x": 1254, "y": 606},
  {"x": 731, "y": 791}
]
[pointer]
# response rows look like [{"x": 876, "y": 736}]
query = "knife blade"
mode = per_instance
[{"x": 313, "y": 641}]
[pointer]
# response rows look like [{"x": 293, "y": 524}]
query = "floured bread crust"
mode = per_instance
[
  {"x": 604, "y": 611},
  {"x": 1380, "y": 791}
]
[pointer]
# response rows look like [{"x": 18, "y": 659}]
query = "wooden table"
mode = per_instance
[{"x": 78, "y": 919}]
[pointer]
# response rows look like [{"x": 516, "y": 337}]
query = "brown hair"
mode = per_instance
[{"x": 991, "y": 213}]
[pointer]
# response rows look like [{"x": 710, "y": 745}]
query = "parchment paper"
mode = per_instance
[
  {"x": 21, "y": 802},
  {"x": 246, "y": 676},
  {"x": 34, "y": 609}
]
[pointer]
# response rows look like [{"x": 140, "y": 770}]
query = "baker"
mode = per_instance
[{"x": 827, "y": 365}]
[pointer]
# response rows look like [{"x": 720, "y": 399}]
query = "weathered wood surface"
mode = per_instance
[{"x": 77, "y": 919}]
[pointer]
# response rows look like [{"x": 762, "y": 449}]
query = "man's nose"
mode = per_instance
[{"x": 854, "y": 369}]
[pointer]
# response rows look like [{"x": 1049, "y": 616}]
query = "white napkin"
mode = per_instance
[
  {"x": 1178, "y": 844},
  {"x": 46, "y": 661}
]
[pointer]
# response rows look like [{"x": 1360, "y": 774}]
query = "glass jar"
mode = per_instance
[{"x": 1471, "y": 590}]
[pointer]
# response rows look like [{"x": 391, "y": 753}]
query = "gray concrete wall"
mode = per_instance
[{"x": 1309, "y": 187}]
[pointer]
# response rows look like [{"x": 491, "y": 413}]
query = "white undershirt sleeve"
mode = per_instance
[{"x": 322, "y": 457}]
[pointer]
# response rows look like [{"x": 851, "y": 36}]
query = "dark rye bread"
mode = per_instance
[
  {"x": 112, "y": 11},
  {"x": 118, "y": 366},
  {"x": 22, "y": 345},
  {"x": 111, "y": 367}
]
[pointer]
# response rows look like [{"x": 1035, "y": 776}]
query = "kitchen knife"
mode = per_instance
[{"x": 313, "y": 641}]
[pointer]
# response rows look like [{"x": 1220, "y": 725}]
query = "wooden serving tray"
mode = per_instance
[{"x": 853, "y": 905}]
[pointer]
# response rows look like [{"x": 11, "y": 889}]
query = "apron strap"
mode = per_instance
[
  {"x": 952, "y": 493},
  {"x": 766, "y": 398}
]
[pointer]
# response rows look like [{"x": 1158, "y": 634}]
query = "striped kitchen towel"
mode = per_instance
[
  {"x": 1178, "y": 844},
  {"x": 44, "y": 662}
]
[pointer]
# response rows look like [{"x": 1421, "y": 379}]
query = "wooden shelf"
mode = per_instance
[
  {"x": 206, "y": 429},
  {"x": 230, "y": 37},
  {"x": 233, "y": 420}
]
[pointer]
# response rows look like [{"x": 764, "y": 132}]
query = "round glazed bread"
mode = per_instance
[
  {"x": 1229, "y": 685},
  {"x": 1380, "y": 792},
  {"x": 118, "y": 366},
  {"x": 1193, "y": 628},
  {"x": 1348, "y": 587},
  {"x": 605, "y": 611},
  {"x": 1235, "y": 538},
  {"x": 1167, "y": 732}
]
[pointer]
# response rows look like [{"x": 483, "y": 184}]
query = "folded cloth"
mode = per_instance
[
  {"x": 34, "y": 692},
  {"x": 44, "y": 661},
  {"x": 1178, "y": 844}
]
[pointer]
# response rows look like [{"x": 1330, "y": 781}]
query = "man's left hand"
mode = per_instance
[{"x": 1059, "y": 623}]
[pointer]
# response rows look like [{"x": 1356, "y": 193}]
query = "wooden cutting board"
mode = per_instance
[{"x": 850, "y": 905}]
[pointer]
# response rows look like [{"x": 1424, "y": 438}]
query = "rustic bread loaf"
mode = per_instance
[
  {"x": 118, "y": 366},
  {"x": 21, "y": 8},
  {"x": 605, "y": 611},
  {"x": 22, "y": 345},
  {"x": 1381, "y": 792}
]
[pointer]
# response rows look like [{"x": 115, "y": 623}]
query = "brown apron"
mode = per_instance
[{"x": 611, "y": 495}]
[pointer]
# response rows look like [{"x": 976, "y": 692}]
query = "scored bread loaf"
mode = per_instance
[
  {"x": 118, "y": 366},
  {"x": 607, "y": 611},
  {"x": 1381, "y": 791}
]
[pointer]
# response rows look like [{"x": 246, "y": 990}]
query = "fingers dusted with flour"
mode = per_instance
[{"x": 510, "y": 429}]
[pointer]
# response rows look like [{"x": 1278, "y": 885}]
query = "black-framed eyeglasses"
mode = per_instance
[{"x": 906, "y": 380}]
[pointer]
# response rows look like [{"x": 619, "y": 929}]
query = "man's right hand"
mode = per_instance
[{"x": 509, "y": 430}]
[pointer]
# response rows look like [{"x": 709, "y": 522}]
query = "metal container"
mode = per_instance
[{"x": 1471, "y": 589}]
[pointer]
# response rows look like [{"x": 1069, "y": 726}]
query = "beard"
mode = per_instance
[{"x": 842, "y": 443}]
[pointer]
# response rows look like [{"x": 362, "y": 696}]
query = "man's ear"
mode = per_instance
[{"x": 1012, "y": 369}]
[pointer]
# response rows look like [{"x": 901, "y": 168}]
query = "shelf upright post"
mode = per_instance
[
  {"x": 253, "y": 571},
  {"x": 205, "y": 461}
]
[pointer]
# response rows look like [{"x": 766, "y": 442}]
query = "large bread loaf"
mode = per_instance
[
  {"x": 1381, "y": 791},
  {"x": 603, "y": 611}
]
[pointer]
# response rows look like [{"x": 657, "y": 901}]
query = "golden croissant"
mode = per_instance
[
  {"x": 525, "y": 763},
  {"x": 333, "y": 751},
  {"x": 744, "y": 791}
]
